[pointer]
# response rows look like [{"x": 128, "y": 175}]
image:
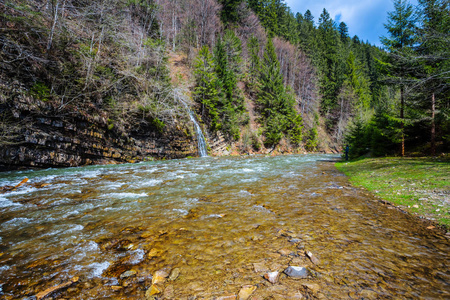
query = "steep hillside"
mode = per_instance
[{"x": 85, "y": 82}]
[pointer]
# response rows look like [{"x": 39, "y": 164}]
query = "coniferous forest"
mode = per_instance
[{"x": 255, "y": 73}]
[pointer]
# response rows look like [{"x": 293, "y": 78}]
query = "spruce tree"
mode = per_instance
[
  {"x": 343, "y": 31},
  {"x": 230, "y": 13},
  {"x": 433, "y": 50},
  {"x": 276, "y": 103},
  {"x": 331, "y": 74},
  {"x": 207, "y": 88},
  {"x": 401, "y": 27}
]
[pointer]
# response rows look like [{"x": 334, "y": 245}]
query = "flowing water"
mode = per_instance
[
  {"x": 201, "y": 141},
  {"x": 202, "y": 152},
  {"x": 215, "y": 225}
]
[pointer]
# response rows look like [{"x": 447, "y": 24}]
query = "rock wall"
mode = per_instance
[{"x": 48, "y": 138}]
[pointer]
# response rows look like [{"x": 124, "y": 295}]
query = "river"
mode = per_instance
[{"x": 214, "y": 225}]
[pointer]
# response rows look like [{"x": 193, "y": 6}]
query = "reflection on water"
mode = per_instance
[{"x": 221, "y": 224}]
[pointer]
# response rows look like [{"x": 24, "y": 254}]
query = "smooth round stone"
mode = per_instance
[{"x": 296, "y": 272}]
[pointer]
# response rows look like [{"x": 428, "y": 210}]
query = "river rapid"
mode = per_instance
[{"x": 211, "y": 226}]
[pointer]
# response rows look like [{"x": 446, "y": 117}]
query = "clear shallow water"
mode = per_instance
[{"x": 213, "y": 219}]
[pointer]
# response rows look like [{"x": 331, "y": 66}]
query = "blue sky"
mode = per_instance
[{"x": 364, "y": 18}]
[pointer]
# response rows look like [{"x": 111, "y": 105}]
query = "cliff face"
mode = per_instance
[{"x": 49, "y": 137}]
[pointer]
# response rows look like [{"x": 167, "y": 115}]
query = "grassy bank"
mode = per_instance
[{"x": 418, "y": 185}]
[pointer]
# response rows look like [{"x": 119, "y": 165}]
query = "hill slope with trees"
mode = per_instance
[{"x": 92, "y": 81}]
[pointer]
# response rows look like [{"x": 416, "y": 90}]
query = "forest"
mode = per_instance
[{"x": 258, "y": 74}]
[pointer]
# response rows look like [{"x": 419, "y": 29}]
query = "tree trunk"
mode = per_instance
[
  {"x": 402, "y": 116},
  {"x": 55, "y": 19},
  {"x": 433, "y": 126}
]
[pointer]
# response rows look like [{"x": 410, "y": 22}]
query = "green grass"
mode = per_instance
[{"x": 418, "y": 185}]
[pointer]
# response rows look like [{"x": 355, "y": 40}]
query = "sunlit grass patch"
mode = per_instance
[{"x": 419, "y": 185}]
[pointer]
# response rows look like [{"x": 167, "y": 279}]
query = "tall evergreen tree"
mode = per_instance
[
  {"x": 230, "y": 13},
  {"x": 227, "y": 58},
  {"x": 276, "y": 103},
  {"x": 328, "y": 62},
  {"x": 433, "y": 51},
  {"x": 343, "y": 31},
  {"x": 207, "y": 88},
  {"x": 401, "y": 27}
]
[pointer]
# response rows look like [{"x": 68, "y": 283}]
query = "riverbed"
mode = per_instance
[{"x": 211, "y": 226}]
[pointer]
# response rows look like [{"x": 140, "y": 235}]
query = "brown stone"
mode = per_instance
[
  {"x": 174, "y": 274},
  {"x": 285, "y": 252},
  {"x": 312, "y": 257},
  {"x": 153, "y": 290},
  {"x": 272, "y": 277},
  {"x": 246, "y": 291},
  {"x": 314, "y": 287},
  {"x": 159, "y": 277}
]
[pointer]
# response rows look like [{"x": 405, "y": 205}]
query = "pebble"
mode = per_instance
[
  {"x": 284, "y": 252},
  {"x": 296, "y": 272},
  {"x": 153, "y": 253},
  {"x": 174, "y": 274},
  {"x": 313, "y": 259},
  {"x": 246, "y": 291},
  {"x": 127, "y": 274},
  {"x": 314, "y": 287},
  {"x": 272, "y": 277},
  {"x": 159, "y": 277},
  {"x": 415, "y": 206},
  {"x": 295, "y": 241},
  {"x": 153, "y": 290}
]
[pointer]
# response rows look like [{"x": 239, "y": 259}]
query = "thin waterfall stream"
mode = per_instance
[
  {"x": 201, "y": 141},
  {"x": 202, "y": 151},
  {"x": 212, "y": 228}
]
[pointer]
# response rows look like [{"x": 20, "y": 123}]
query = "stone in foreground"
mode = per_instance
[
  {"x": 246, "y": 292},
  {"x": 272, "y": 277},
  {"x": 296, "y": 272}
]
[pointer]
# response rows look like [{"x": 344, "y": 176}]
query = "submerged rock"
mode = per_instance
[
  {"x": 314, "y": 287},
  {"x": 159, "y": 277},
  {"x": 154, "y": 253},
  {"x": 174, "y": 274},
  {"x": 312, "y": 257},
  {"x": 127, "y": 274},
  {"x": 246, "y": 291},
  {"x": 285, "y": 252},
  {"x": 153, "y": 290},
  {"x": 296, "y": 272},
  {"x": 272, "y": 277}
]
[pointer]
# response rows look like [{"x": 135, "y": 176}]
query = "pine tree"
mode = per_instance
[
  {"x": 230, "y": 14},
  {"x": 227, "y": 60},
  {"x": 276, "y": 103},
  {"x": 433, "y": 50},
  {"x": 331, "y": 78},
  {"x": 401, "y": 27},
  {"x": 207, "y": 88},
  {"x": 343, "y": 31}
]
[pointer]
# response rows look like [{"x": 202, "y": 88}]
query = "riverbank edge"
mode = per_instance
[{"x": 380, "y": 183}]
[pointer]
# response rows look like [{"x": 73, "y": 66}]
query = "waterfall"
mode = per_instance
[{"x": 200, "y": 137}]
